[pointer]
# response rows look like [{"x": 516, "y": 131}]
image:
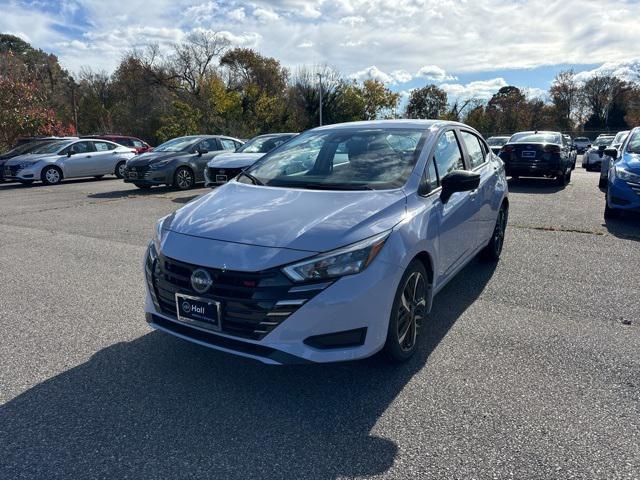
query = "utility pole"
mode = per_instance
[{"x": 320, "y": 78}]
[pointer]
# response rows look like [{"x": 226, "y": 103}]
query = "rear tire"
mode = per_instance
[
  {"x": 407, "y": 314},
  {"x": 494, "y": 248},
  {"x": 51, "y": 175}
]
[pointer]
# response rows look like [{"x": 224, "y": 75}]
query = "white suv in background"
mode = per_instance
[{"x": 69, "y": 159}]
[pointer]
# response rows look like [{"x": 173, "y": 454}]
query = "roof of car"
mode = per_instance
[{"x": 400, "y": 123}]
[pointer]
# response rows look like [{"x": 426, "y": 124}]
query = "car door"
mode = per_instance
[
  {"x": 477, "y": 156},
  {"x": 80, "y": 163},
  {"x": 104, "y": 158},
  {"x": 456, "y": 238},
  {"x": 209, "y": 148}
]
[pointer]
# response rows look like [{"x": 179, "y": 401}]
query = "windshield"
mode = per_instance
[
  {"x": 497, "y": 141},
  {"x": 634, "y": 143},
  {"x": 532, "y": 137},
  {"x": 344, "y": 159},
  {"x": 176, "y": 145},
  {"x": 50, "y": 147},
  {"x": 620, "y": 137},
  {"x": 263, "y": 144},
  {"x": 602, "y": 141}
]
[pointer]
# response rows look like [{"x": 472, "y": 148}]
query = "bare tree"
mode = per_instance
[{"x": 565, "y": 95}]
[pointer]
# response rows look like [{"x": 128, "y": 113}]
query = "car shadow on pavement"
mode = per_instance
[
  {"x": 534, "y": 185},
  {"x": 16, "y": 185},
  {"x": 159, "y": 407},
  {"x": 626, "y": 227}
]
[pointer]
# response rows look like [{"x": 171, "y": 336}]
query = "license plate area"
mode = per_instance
[
  {"x": 221, "y": 178},
  {"x": 203, "y": 312},
  {"x": 528, "y": 154}
]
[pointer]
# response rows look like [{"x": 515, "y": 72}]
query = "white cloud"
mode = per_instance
[
  {"x": 482, "y": 89},
  {"x": 372, "y": 73},
  {"x": 237, "y": 14},
  {"x": 265, "y": 15},
  {"x": 352, "y": 21},
  {"x": 306, "y": 44},
  {"x": 401, "y": 76},
  {"x": 629, "y": 71},
  {"x": 435, "y": 73}
]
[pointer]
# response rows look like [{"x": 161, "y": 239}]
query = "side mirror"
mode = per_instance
[
  {"x": 201, "y": 152},
  {"x": 611, "y": 152},
  {"x": 458, "y": 181},
  {"x": 69, "y": 153}
]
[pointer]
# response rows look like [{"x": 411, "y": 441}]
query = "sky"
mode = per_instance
[{"x": 467, "y": 47}]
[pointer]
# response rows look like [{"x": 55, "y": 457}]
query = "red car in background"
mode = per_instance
[{"x": 134, "y": 143}]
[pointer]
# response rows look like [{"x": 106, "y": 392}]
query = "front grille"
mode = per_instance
[
  {"x": 635, "y": 186},
  {"x": 253, "y": 304},
  {"x": 140, "y": 171},
  {"x": 229, "y": 173},
  {"x": 11, "y": 170}
]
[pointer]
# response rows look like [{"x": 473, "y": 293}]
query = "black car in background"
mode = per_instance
[
  {"x": 538, "y": 154},
  {"x": 179, "y": 162},
  {"x": 496, "y": 143}
]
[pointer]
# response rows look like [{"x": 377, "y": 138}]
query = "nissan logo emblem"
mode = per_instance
[{"x": 201, "y": 280}]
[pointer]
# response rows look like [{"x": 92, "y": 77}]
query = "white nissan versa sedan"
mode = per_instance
[
  {"x": 69, "y": 159},
  {"x": 332, "y": 246}
]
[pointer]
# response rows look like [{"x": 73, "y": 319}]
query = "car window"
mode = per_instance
[
  {"x": 209, "y": 144},
  {"x": 228, "y": 144},
  {"x": 447, "y": 155},
  {"x": 103, "y": 146},
  {"x": 353, "y": 158},
  {"x": 124, "y": 141},
  {"x": 137, "y": 144},
  {"x": 81, "y": 147},
  {"x": 474, "y": 149}
]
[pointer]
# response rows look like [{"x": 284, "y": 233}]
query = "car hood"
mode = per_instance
[
  {"x": 298, "y": 219},
  {"x": 632, "y": 162},
  {"x": 235, "y": 160},
  {"x": 29, "y": 157},
  {"x": 150, "y": 158}
]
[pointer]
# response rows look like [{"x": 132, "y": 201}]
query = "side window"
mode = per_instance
[
  {"x": 102, "y": 146},
  {"x": 210, "y": 145},
  {"x": 137, "y": 144},
  {"x": 432, "y": 175},
  {"x": 228, "y": 144},
  {"x": 447, "y": 155},
  {"x": 237, "y": 144},
  {"x": 474, "y": 148},
  {"x": 82, "y": 147}
]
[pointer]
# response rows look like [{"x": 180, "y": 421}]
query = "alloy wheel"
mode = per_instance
[
  {"x": 52, "y": 175},
  {"x": 121, "y": 170},
  {"x": 184, "y": 179},
  {"x": 411, "y": 310}
]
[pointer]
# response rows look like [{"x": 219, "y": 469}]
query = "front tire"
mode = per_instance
[
  {"x": 602, "y": 183},
  {"x": 609, "y": 212},
  {"x": 120, "y": 168},
  {"x": 407, "y": 314},
  {"x": 51, "y": 175},
  {"x": 183, "y": 179},
  {"x": 494, "y": 248}
]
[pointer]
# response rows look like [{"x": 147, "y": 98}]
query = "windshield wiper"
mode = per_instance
[{"x": 255, "y": 180}]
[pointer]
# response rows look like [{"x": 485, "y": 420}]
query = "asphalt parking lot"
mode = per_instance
[{"x": 527, "y": 369}]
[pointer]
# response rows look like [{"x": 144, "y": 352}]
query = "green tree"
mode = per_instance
[
  {"x": 185, "y": 120},
  {"x": 427, "y": 102}
]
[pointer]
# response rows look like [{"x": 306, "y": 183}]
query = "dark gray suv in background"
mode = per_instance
[{"x": 179, "y": 163}]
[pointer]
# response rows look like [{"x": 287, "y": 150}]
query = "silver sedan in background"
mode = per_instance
[
  {"x": 69, "y": 159},
  {"x": 606, "y": 159}
]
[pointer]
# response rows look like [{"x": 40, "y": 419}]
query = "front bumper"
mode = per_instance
[
  {"x": 12, "y": 173},
  {"x": 623, "y": 195},
  {"x": 353, "y": 305},
  {"x": 147, "y": 176}
]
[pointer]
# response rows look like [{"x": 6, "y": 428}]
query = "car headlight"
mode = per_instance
[
  {"x": 157, "y": 165},
  {"x": 25, "y": 165},
  {"x": 347, "y": 260},
  {"x": 626, "y": 175},
  {"x": 159, "y": 233}
]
